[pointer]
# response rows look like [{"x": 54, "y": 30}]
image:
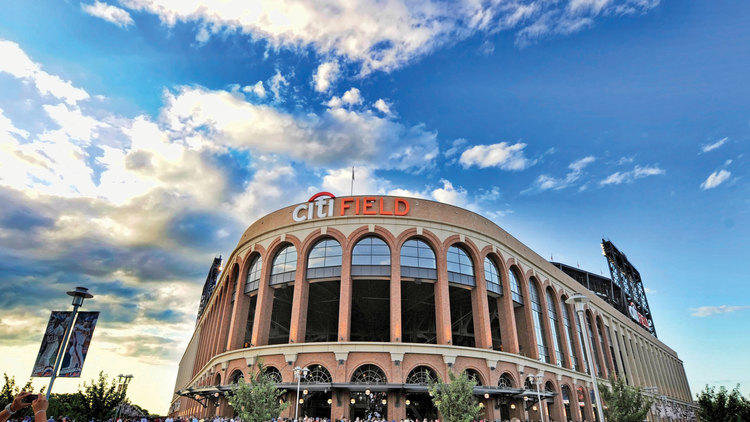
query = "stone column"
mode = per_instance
[
  {"x": 507, "y": 318},
  {"x": 240, "y": 309},
  {"x": 565, "y": 350},
  {"x": 264, "y": 304},
  {"x": 442, "y": 301},
  {"x": 547, "y": 327},
  {"x": 395, "y": 302},
  {"x": 480, "y": 310},
  {"x": 345, "y": 297},
  {"x": 301, "y": 293}
]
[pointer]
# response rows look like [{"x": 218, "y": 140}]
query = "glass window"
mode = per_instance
[
  {"x": 592, "y": 342},
  {"x": 460, "y": 267},
  {"x": 582, "y": 342},
  {"x": 326, "y": 253},
  {"x": 536, "y": 316},
  {"x": 552, "y": 315},
  {"x": 569, "y": 334},
  {"x": 371, "y": 251},
  {"x": 492, "y": 276},
  {"x": 284, "y": 265},
  {"x": 416, "y": 253},
  {"x": 515, "y": 288},
  {"x": 253, "y": 275}
]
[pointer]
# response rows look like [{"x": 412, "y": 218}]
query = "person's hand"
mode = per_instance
[
  {"x": 40, "y": 404},
  {"x": 18, "y": 402}
]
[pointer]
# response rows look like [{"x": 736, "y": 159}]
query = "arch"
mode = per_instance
[
  {"x": 592, "y": 342},
  {"x": 369, "y": 374},
  {"x": 217, "y": 379},
  {"x": 318, "y": 374},
  {"x": 418, "y": 259},
  {"x": 324, "y": 259},
  {"x": 273, "y": 373},
  {"x": 607, "y": 352},
  {"x": 549, "y": 387},
  {"x": 553, "y": 324},
  {"x": 565, "y": 396},
  {"x": 537, "y": 318},
  {"x": 492, "y": 275},
  {"x": 514, "y": 279},
  {"x": 236, "y": 377},
  {"x": 569, "y": 325},
  {"x": 506, "y": 380},
  {"x": 422, "y": 375},
  {"x": 460, "y": 265},
  {"x": 284, "y": 265},
  {"x": 371, "y": 256},
  {"x": 253, "y": 270},
  {"x": 472, "y": 373}
]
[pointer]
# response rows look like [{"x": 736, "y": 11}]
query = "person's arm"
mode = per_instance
[
  {"x": 17, "y": 404},
  {"x": 40, "y": 408}
]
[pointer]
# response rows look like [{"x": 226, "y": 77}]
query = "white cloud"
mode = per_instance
[
  {"x": 278, "y": 82},
  {"x": 382, "y": 107},
  {"x": 257, "y": 89},
  {"x": 638, "y": 172},
  {"x": 109, "y": 13},
  {"x": 502, "y": 155},
  {"x": 352, "y": 97},
  {"x": 325, "y": 76},
  {"x": 714, "y": 145},
  {"x": 546, "y": 182},
  {"x": 715, "y": 179},
  {"x": 580, "y": 164},
  {"x": 18, "y": 64},
  {"x": 705, "y": 311},
  {"x": 387, "y": 34}
]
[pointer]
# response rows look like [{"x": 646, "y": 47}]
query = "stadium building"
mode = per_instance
[{"x": 369, "y": 297}]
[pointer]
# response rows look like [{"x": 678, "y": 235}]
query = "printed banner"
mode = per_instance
[
  {"x": 51, "y": 343},
  {"x": 78, "y": 345}
]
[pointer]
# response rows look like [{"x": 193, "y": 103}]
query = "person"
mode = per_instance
[{"x": 39, "y": 406}]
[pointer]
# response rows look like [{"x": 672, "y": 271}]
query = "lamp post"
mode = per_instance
[
  {"x": 122, "y": 387},
  {"x": 537, "y": 380},
  {"x": 78, "y": 294},
  {"x": 578, "y": 300},
  {"x": 299, "y": 373}
]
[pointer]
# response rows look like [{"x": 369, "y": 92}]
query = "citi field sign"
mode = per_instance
[{"x": 322, "y": 205}]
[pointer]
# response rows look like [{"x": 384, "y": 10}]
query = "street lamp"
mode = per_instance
[
  {"x": 578, "y": 300},
  {"x": 78, "y": 294},
  {"x": 299, "y": 373},
  {"x": 538, "y": 380}
]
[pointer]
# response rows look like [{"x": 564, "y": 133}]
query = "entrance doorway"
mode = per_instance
[
  {"x": 419, "y": 406},
  {"x": 367, "y": 406},
  {"x": 317, "y": 404}
]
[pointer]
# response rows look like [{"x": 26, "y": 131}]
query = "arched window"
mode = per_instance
[
  {"x": 236, "y": 377},
  {"x": 505, "y": 381},
  {"x": 369, "y": 374},
  {"x": 528, "y": 385},
  {"x": 252, "y": 279},
  {"x": 592, "y": 342},
  {"x": 552, "y": 315},
  {"x": 603, "y": 343},
  {"x": 318, "y": 374},
  {"x": 537, "y": 319},
  {"x": 418, "y": 260},
  {"x": 569, "y": 334},
  {"x": 460, "y": 267},
  {"x": 515, "y": 288},
  {"x": 324, "y": 260},
  {"x": 582, "y": 342},
  {"x": 284, "y": 265},
  {"x": 422, "y": 375},
  {"x": 371, "y": 256},
  {"x": 492, "y": 276},
  {"x": 473, "y": 374},
  {"x": 273, "y": 373},
  {"x": 565, "y": 392}
]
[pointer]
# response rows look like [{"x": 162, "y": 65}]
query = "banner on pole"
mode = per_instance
[
  {"x": 51, "y": 343},
  {"x": 78, "y": 345}
]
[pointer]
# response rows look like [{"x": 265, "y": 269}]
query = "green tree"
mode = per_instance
[
  {"x": 72, "y": 405},
  {"x": 258, "y": 400},
  {"x": 723, "y": 406},
  {"x": 455, "y": 399},
  {"x": 623, "y": 403},
  {"x": 100, "y": 398}
]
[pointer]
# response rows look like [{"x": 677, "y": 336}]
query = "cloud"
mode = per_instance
[
  {"x": 546, "y": 182},
  {"x": 384, "y": 35},
  {"x": 325, "y": 76},
  {"x": 383, "y": 107},
  {"x": 109, "y": 13},
  {"x": 715, "y": 145},
  {"x": 715, "y": 179},
  {"x": 638, "y": 172},
  {"x": 352, "y": 97},
  {"x": 705, "y": 311},
  {"x": 257, "y": 89},
  {"x": 501, "y": 155},
  {"x": 16, "y": 63}
]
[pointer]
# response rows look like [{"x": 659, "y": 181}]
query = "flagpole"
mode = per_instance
[{"x": 351, "y": 191}]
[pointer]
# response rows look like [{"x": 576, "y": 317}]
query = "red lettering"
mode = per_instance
[
  {"x": 356, "y": 210},
  {"x": 382, "y": 211},
  {"x": 368, "y": 203},
  {"x": 345, "y": 204},
  {"x": 398, "y": 202}
]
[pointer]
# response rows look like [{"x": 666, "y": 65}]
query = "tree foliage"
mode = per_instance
[
  {"x": 623, "y": 403},
  {"x": 258, "y": 400},
  {"x": 455, "y": 399},
  {"x": 722, "y": 405},
  {"x": 101, "y": 397}
]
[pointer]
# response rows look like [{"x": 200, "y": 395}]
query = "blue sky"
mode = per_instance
[{"x": 139, "y": 138}]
